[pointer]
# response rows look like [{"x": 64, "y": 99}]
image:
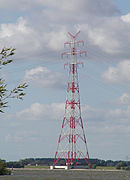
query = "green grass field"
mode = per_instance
[
  {"x": 44, "y": 174},
  {"x": 40, "y": 167},
  {"x": 47, "y": 167}
]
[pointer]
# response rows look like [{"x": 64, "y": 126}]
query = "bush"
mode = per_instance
[
  {"x": 89, "y": 166},
  {"x": 128, "y": 168},
  {"x": 121, "y": 165},
  {"x": 3, "y": 169},
  {"x": 118, "y": 166},
  {"x": 92, "y": 166},
  {"x": 14, "y": 165}
]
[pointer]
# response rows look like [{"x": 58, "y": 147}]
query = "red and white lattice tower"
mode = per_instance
[{"x": 72, "y": 144}]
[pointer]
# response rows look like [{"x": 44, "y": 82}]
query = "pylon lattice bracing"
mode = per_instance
[{"x": 72, "y": 143}]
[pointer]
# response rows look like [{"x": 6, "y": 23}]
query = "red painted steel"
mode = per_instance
[{"x": 72, "y": 143}]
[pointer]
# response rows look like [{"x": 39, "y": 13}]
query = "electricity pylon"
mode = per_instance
[{"x": 72, "y": 143}]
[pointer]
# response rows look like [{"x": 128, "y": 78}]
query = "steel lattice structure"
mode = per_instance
[{"x": 72, "y": 143}]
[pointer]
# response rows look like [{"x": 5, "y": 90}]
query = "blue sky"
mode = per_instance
[
  {"x": 38, "y": 30},
  {"x": 124, "y": 6}
]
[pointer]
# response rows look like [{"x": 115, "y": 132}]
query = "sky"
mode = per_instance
[{"x": 38, "y": 30}]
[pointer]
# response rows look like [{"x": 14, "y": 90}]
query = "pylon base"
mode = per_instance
[
  {"x": 59, "y": 167},
  {"x": 68, "y": 167}
]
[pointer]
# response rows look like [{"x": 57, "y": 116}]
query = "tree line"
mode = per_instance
[{"x": 49, "y": 161}]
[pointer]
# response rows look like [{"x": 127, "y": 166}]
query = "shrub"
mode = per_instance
[
  {"x": 118, "y": 166},
  {"x": 128, "y": 168},
  {"x": 3, "y": 169}
]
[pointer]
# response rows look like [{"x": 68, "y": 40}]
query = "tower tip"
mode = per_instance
[{"x": 74, "y": 36}]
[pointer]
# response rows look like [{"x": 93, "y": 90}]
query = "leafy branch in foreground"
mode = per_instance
[
  {"x": 5, "y": 94},
  {"x": 5, "y": 54}
]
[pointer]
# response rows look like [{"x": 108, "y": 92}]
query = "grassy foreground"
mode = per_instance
[{"x": 44, "y": 174}]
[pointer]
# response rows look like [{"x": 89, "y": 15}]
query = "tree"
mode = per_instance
[
  {"x": 3, "y": 169},
  {"x": 121, "y": 164},
  {"x": 18, "y": 92}
]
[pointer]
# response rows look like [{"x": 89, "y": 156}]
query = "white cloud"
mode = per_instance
[
  {"x": 110, "y": 35},
  {"x": 106, "y": 121},
  {"x": 92, "y": 114},
  {"x": 45, "y": 78},
  {"x": 109, "y": 122},
  {"x": 106, "y": 125},
  {"x": 97, "y": 7},
  {"x": 103, "y": 38},
  {"x": 124, "y": 99},
  {"x": 98, "y": 120},
  {"x": 120, "y": 116},
  {"x": 45, "y": 112},
  {"x": 21, "y": 136},
  {"x": 54, "y": 39},
  {"x": 21, "y": 36},
  {"x": 32, "y": 41},
  {"x": 39, "y": 111},
  {"x": 126, "y": 18},
  {"x": 18, "y": 5},
  {"x": 119, "y": 74},
  {"x": 69, "y": 11},
  {"x": 8, "y": 30},
  {"x": 43, "y": 33}
]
